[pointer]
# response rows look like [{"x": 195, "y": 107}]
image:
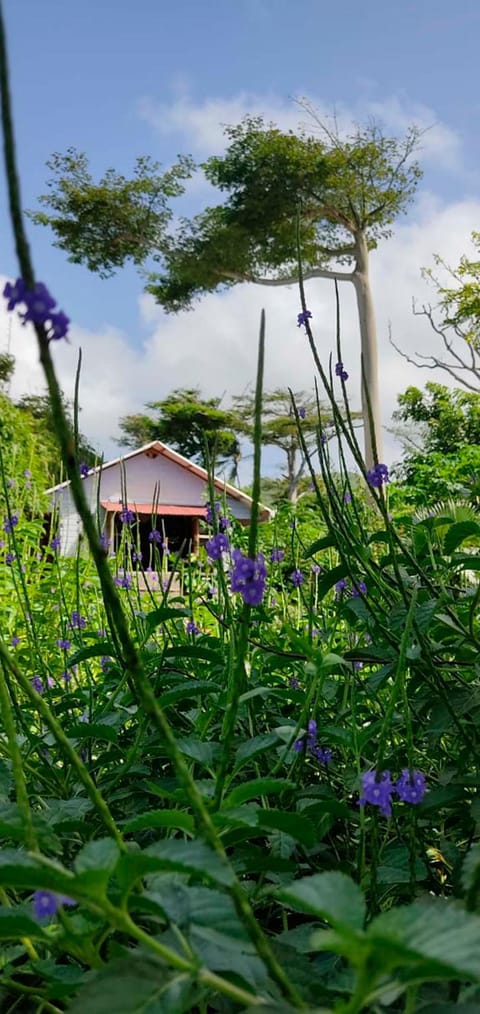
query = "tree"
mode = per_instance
[
  {"x": 195, "y": 426},
  {"x": 38, "y": 408},
  {"x": 105, "y": 224},
  {"x": 444, "y": 461},
  {"x": 280, "y": 429},
  {"x": 339, "y": 195},
  {"x": 456, "y": 321}
]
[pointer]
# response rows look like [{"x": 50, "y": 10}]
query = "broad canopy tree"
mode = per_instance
[
  {"x": 326, "y": 198},
  {"x": 196, "y": 427}
]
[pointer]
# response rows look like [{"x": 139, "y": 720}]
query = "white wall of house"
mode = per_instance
[{"x": 144, "y": 479}]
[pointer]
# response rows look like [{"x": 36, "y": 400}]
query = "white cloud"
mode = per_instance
[
  {"x": 200, "y": 124},
  {"x": 215, "y": 345}
]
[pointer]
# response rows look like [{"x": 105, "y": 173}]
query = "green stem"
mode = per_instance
[{"x": 17, "y": 766}]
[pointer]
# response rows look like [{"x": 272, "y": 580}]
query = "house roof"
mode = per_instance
[
  {"x": 155, "y": 449},
  {"x": 163, "y": 510}
]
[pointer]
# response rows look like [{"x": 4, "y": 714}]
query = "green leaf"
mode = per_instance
[
  {"x": 186, "y": 857},
  {"x": 134, "y": 984},
  {"x": 96, "y": 862},
  {"x": 254, "y": 746},
  {"x": 436, "y": 933},
  {"x": 99, "y": 649},
  {"x": 205, "y": 752},
  {"x": 257, "y": 787},
  {"x": 14, "y": 925},
  {"x": 161, "y": 818},
  {"x": 329, "y": 896},
  {"x": 297, "y": 826},
  {"x": 324, "y": 543},
  {"x": 158, "y": 616},
  {"x": 18, "y": 869},
  {"x": 86, "y": 730},
  {"x": 457, "y": 534},
  {"x": 186, "y": 690},
  {"x": 194, "y": 651},
  {"x": 328, "y": 580}
]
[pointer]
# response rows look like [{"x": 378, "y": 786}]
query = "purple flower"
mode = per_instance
[
  {"x": 37, "y": 684},
  {"x": 77, "y": 622},
  {"x": 347, "y": 497},
  {"x": 303, "y": 317},
  {"x": 293, "y": 683},
  {"x": 358, "y": 589},
  {"x": 341, "y": 372},
  {"x": 104, "y": 542},
  {"x": 276, "y": 555},
  {"x": 217, "y": 545},
  {"x": 211, "y": 592},
  {"x": 411, "y": 788},
  {"x": 377, "y": 476},
  {"x": 192, "y": 628},
  {"x": 55, "y": 543},
  {"x": 316, "y": 568},
  {"x": 64, "y": 644},
  {"x": 27, "y": 473},
  {"x": 248, "y": 577},
  {"x": 297, "y": 578},
  {"x": 10, "y": 523},
  {"x": 155, "y": 536},
  {"x": 223, "y": 523},
  {"x": 15, "y": 641},
  {"x": 136, "y": 556},
  {"x": 124, "y": 581},
  {"x": 209, "y": 512},
  {"x": 127, "y": 516},
  {"x": 358, "y": 665},
  {"x": 10, "y": 557},
  {"x": 377, "y": 791},
  {"x": 340, "y": 587},
  {"x": 58, "y": 325},
  {"x": 302, "y": 412},
  {"x": 15, "y": 294},
  {"x": 309, "y": 744},
  {"x": 84, "y": 470},
  {"x": 39, "y": 303},
  {"x": 46, "y": 903}
]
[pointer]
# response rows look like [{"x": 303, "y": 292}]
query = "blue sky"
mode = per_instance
[{"x": 117, "y": 79}]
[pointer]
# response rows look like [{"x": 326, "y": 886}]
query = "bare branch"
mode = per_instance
[{"x": 332, "y": 274}]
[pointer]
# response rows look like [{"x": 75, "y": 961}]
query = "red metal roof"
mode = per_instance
[{"x": 160, "y": 509}]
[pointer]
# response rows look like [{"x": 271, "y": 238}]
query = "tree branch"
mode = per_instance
[{"x": 332, "y": 274}]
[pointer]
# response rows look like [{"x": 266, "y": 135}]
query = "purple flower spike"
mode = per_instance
[
  {"x": 303, "y": 317},
  {"x": 297, "y": 578},
  {"x": 217, "y": 545},
  {"x": 249, "y": 577},
  {"x": 411, "y": 788},
  {"x": 377, "y": 791},
  {"x": 377, "y": 476}
]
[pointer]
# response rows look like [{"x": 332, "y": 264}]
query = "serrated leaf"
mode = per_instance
[
  {"x": 297, "y": 826},
  {"x": 332, "y": 897},
  {"x": 328, "y": 580},
  {"x": 443, "y": 936},
  {"x": 14, "y": 925},
  {"x": 186, "y": 857},
  {"x": 94, "y": 730},
  {"x": 254, "y": 746},
  {"x": 158, "y": 616},
  {"x": 18, "y": 869},
  {"x": 203, "y": 751},
  {"x": 257, "y": 787},
  {"x": 133, "y": 984},
  {"x": 95, "y": 863},
  {"x": 161, "y": 818}
]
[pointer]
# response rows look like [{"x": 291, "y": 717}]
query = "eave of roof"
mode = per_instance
[{"x": 179, "y": 459}]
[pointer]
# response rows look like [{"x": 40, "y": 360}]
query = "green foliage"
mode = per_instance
[
  {"x": 107, "y": 223},
  {"x": 450, "y": 419},
  {"x": 195, "y": 426},
  {"x": 335, "y": 188}
]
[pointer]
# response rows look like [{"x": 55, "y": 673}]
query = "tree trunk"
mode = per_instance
[{"x": 368, "y": 339}]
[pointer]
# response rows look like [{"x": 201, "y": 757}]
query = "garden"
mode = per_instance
[{"x": 253, "y": 784}]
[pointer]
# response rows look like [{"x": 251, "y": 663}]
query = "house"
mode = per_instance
[{"x": 166, "y": 492}]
